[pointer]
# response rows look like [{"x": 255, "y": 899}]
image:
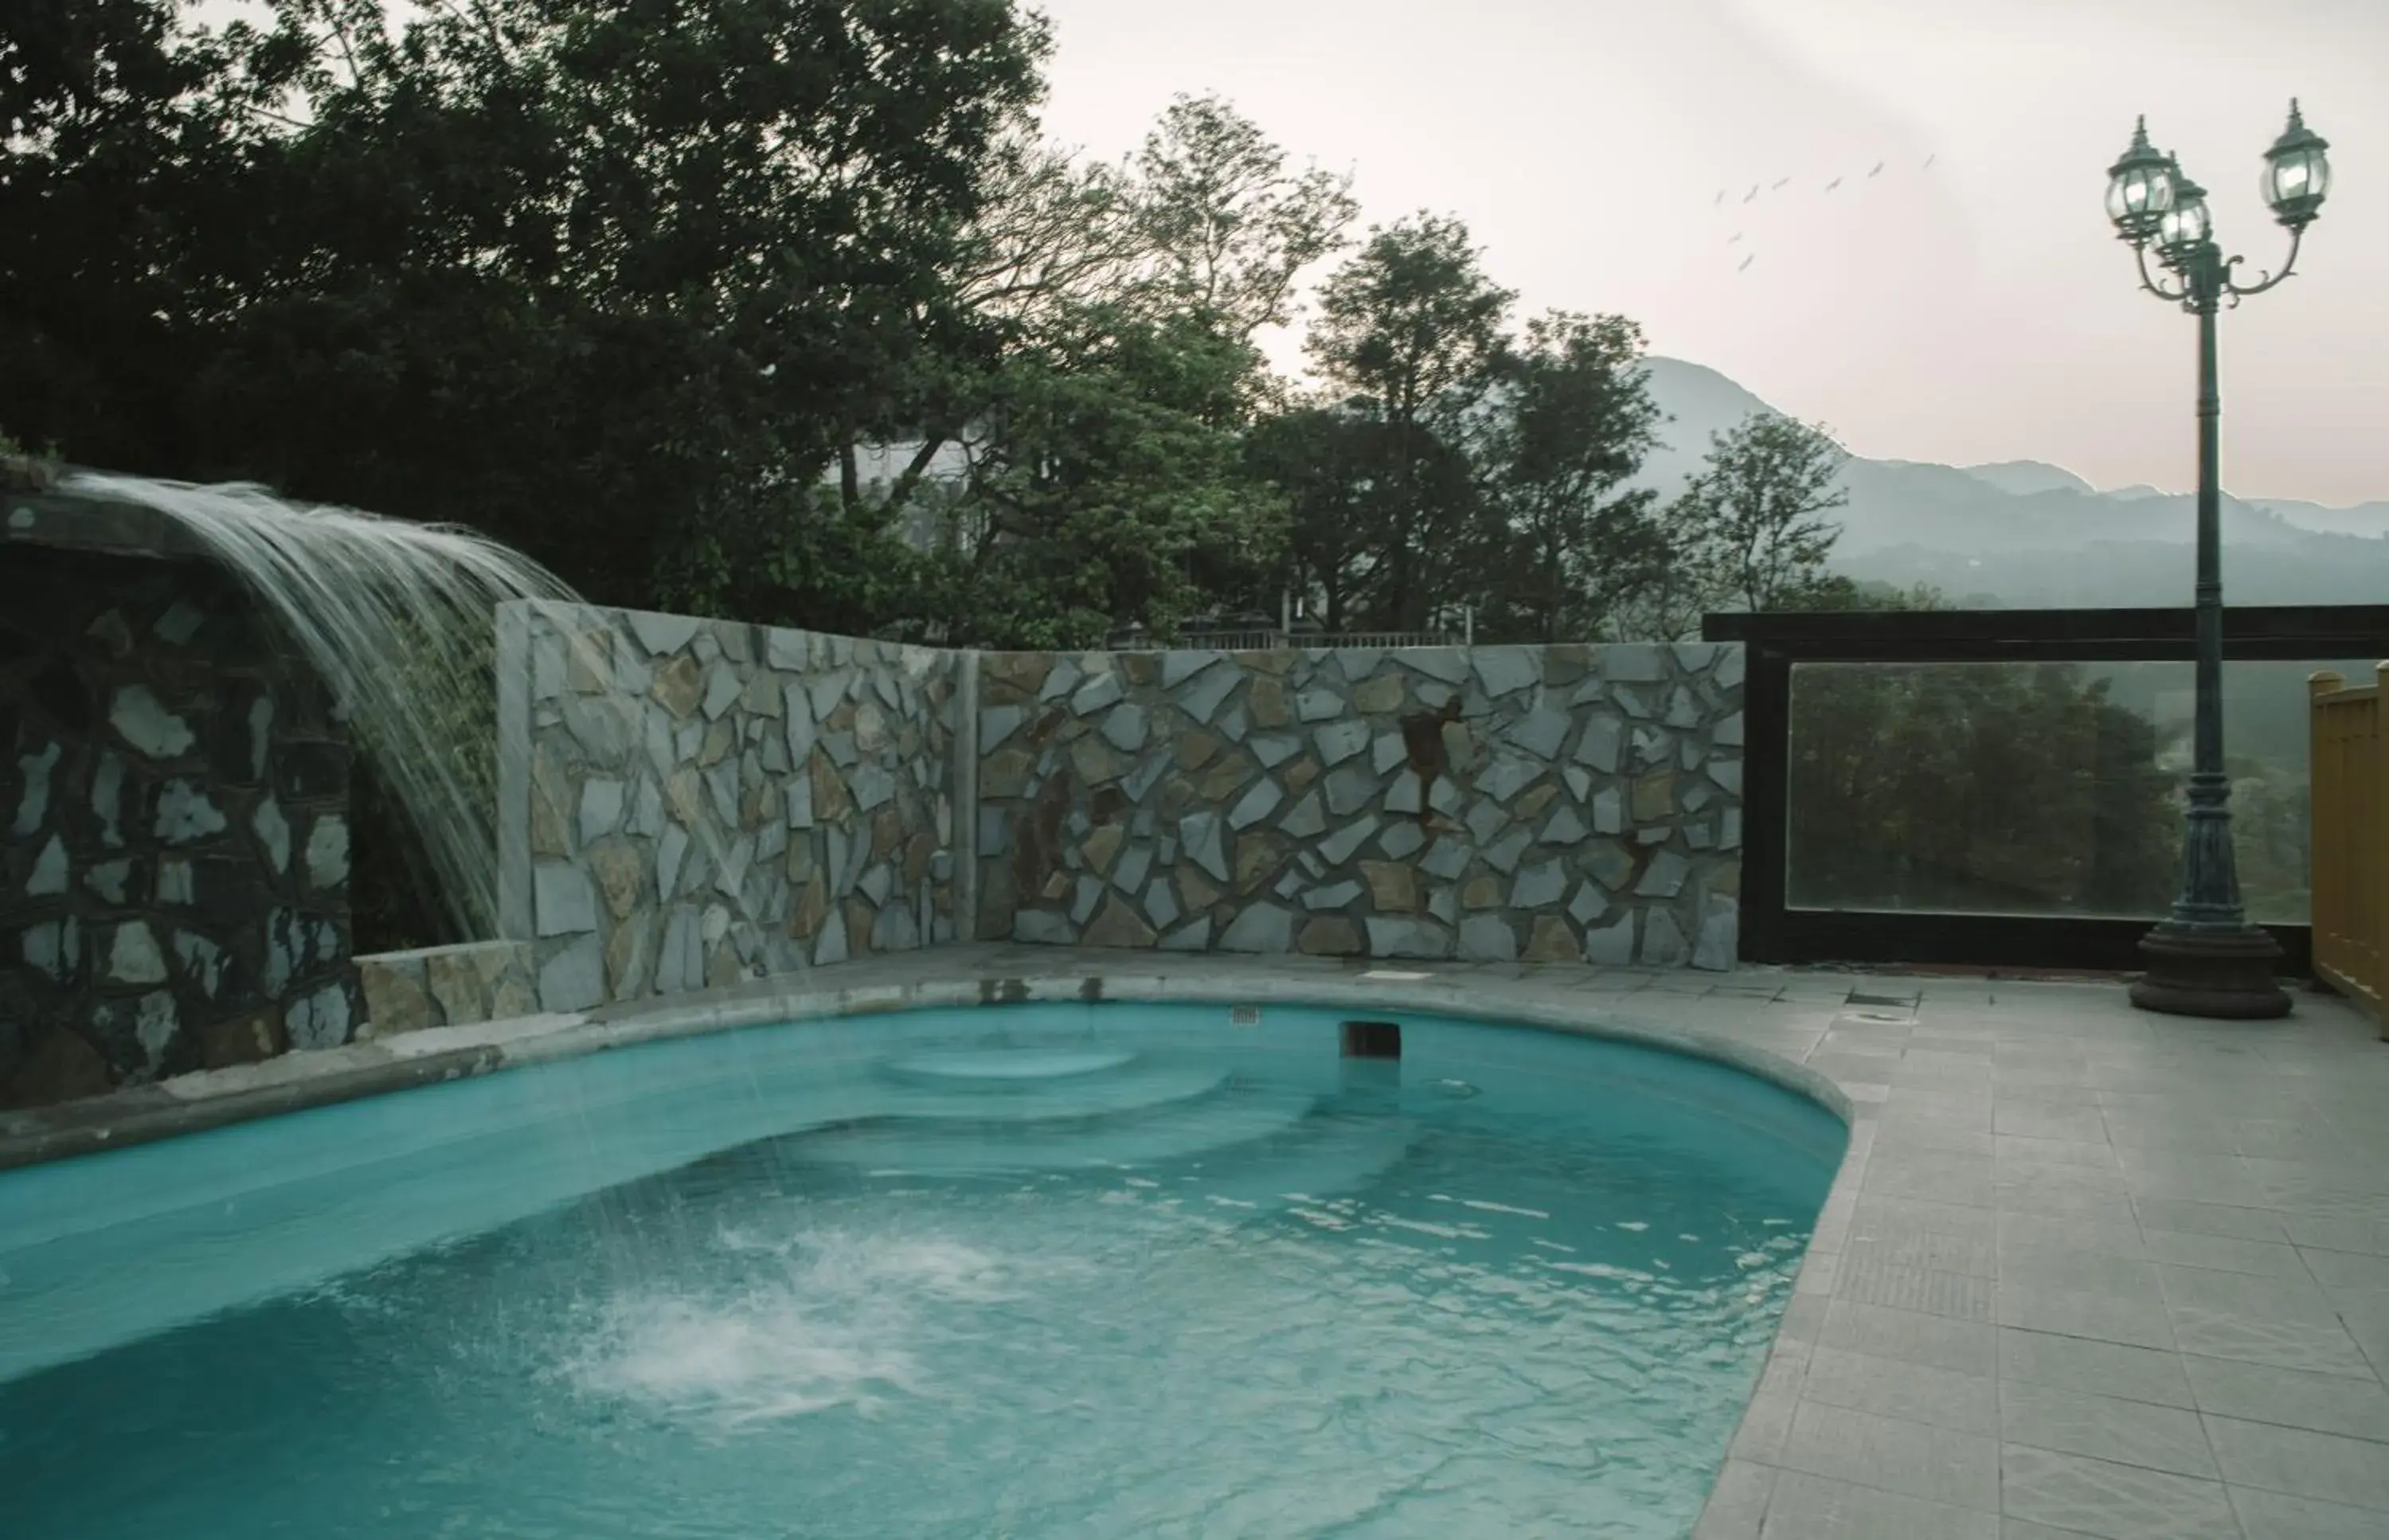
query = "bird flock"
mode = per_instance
[{"x": 1757, "y": 189}]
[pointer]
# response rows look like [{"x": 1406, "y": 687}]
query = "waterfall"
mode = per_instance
[{"x": 399, "y": 620}]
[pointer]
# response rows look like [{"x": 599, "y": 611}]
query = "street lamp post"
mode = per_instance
[{"x": 2205, "y": 958}]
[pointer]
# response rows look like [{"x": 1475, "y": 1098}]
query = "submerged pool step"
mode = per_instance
[
  {"x": 1028, "y": 1086},
  {"x": 958, "y": 1141}
]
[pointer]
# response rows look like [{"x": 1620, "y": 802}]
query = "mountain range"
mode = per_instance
[{"x": 2023, "y": 534}]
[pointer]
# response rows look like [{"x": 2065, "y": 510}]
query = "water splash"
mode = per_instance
[
  {"x": 807, "y": 1321},
  {"x": 399, "y": 620}
]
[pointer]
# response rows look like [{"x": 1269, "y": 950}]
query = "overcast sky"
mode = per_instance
[{"x": 1977, "y": 311}]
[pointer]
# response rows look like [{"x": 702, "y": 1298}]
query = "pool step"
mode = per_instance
[
  {"x": 1029, "y": 1085},
  {"x": 953, "y": 1141}
]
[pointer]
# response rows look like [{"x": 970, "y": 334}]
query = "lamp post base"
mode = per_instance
[{"x": 2224, "y": 975}]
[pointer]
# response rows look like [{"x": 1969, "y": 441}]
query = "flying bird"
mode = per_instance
[
  {"x": 1930, "y": 158},
  {"x": 1721, "y": 197},
  {"x": 1780, "y": 185},
  {"x": 1734, "y": 239},
  {"x": 1753, "y": 193},
  {"x": 1834, "y": 183},
  {"x": 1746, "y": 262},
  {"x": 1878, "y": 169}
]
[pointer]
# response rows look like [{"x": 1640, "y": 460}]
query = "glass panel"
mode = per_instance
[{"x": 2036, "y": 789}]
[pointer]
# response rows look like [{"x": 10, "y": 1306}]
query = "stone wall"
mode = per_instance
[
  {"x": 1557, "y": 803},
  {"x": 451, "y": 986},
  {"x": 174, "y": 827},
  {"x": 687, "y": 803}
]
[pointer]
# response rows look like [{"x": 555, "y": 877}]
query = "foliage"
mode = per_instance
[
  {"x": 579, "y": 272},
  {"x": 1753, "y": 518},
  {"x": 1574, "y": 418},
  {"x": 1229, "y": 228},
  {"x": 1099, "y": 488},
  {"x": 1409, "y": 333},
  {"x": 2009, "y": 788}
]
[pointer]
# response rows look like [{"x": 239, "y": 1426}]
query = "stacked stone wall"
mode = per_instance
[
  {"x": 1557, "y": 803},
  {"x": 686, "y": 804},
  {"x": 173, "y": 829}
]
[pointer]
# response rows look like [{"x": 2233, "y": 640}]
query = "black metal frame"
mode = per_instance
[{"x": 1772, "y": 932}]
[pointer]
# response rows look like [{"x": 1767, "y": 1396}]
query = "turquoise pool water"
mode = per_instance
[{"x": 1106, "y": 1271}]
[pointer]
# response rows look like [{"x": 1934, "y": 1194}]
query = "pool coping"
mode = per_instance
[
  {"x": 2059, "y": 1229},
  {"x": 976, "y": 975}
]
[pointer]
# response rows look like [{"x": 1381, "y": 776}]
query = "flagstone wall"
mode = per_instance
[{"x": 1553, "y": 802}]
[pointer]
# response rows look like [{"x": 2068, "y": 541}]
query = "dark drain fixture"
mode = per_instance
[{"x": 1372, "y": 1040}]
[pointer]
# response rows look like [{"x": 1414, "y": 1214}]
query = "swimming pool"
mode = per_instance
[{"x": 1089, "y": 1270}]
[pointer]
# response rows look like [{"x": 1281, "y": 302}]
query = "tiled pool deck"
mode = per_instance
[{"x": 2085, "y": 1272}]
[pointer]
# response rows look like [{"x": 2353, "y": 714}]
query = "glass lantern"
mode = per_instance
[
  {"x": 2297, "y": 174},
  {"x": 2185, "y": 227},
  {"x": 2139, "y": 189}
]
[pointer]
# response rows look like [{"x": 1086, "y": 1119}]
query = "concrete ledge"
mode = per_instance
[{"x": 1569, "y": 998}]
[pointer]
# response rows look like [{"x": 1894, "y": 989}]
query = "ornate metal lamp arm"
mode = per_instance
[
  {"x": 2266, "y": 280},
  {"x": 2141, "y": 256}
]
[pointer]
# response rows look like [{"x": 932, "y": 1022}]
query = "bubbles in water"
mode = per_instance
[{"x": 809, "y": 1320}]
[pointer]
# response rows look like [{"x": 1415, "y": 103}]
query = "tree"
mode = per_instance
[
  {"x": 1325, "y": 463},
  {"x": 588, "y": 275},
  {"x": 1411, "y": 332},
  {"x": 1229, "y": 228},
  {"x": 1104, "y": 482},
  {"x": 1752, "y": 521},
  {"x": 1572, "y": 423}
]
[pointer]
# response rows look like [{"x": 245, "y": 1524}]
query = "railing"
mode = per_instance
[
  {"x": 2003, "y": 789},
  {"x": 1270, "y": 640},
  {"x": 2350, "y": 797}
]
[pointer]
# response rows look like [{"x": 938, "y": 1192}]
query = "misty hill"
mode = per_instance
[
  {"x": 2024, "y": 478},
  {"x": 2366, "y": 520},
  {"x": 2038, "y": 536}
]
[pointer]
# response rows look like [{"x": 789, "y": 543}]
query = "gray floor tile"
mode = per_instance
[
  {"x": 1939, "y": 1464},
  {"x": 2049, "y": 1117},
  {"x": 2223, "y": 1252},
  {"x": 1815, "y": 1508},
  {"x": 2277, "y": 1516},
  {"x": 2019, "y": 1529},
  {"x": 1937, "y": 1342},
  {"x": 1900, "y": 1244},
  {"x": 2096, "y": 1368},
  {"x": 2102, "y": 1427},
  {"x": 2066, "y": 1268},
  {"x": 2053, "y": 1201},
  {"x": 2295, "y": 1300},
  {"x": 2203, "y": 1219},
  {"x": 1737, "y": 1503},
  {"x": 2303, "y": 1463},
  {"x": 1963, "y": 1403},
  {"x": 1913, "y": 1138},
  {"x": 2348, "y": 1176},
  {"x": 1874, "y": 1213},
  {"x": 2346, "y": 1270},
  {"x": 2135, "y": 1322},
  {"x": 2369, "y": 1236},
  {"x": 2258, "y": 1393},
  {"x": 1938, "y": 1178},
  {"x": 2024, "y": 1150},
  {"x": 2118, "y": 1502},
  {"x": 2077, "y": 1235},
  {"x": 1865, "y": 1277},
  {"x": 2320, "y": 1347},
  {"x": 1766, "y": 1420},
  {"x": 2370, "y": 1328}
]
